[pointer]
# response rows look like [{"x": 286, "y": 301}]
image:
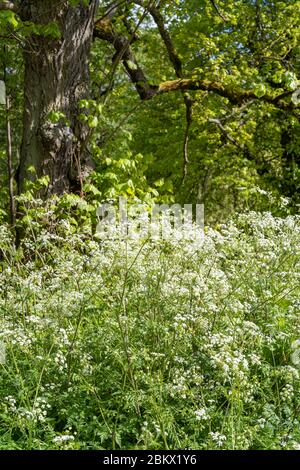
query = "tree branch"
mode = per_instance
[
  {"x": 165, "y": 35},
  {"x": 146, "y": 91},
  {"x": 189, "y": 119},
  {"x": 214, "y": 4},
  {"x": 234, "y": 95},
  {"x": 124, "y": 53},
  {"x": 178, "y": 68},
  {"x": 242, "y": 148},
  {"x": 224, "y": 131}
]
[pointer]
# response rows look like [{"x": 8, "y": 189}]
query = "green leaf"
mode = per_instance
[
  {"x": 93, "y": 121},
  {"x": 90, "y": 188},
  {"x": 56, "y": 116},
  {"x": 9, "y": 18},
  {"x": 296, "y": 97},
  {"x": 291, "y": 81},
  {"x": 131, "y": 65},
  {"x": 260, "y": 90}
]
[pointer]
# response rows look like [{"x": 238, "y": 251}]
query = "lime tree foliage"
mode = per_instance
[
  {"x": 176, "y": 101},
  {"x": 190, "y": 340},
  {"x": 223, "y": 121}
]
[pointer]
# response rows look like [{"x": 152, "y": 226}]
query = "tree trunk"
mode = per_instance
[{"x": 56, "y": 79}]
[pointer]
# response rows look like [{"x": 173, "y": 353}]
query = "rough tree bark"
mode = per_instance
[{"x": 56, "y": 79}]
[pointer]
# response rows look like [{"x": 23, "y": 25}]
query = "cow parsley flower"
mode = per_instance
[{"x": 201, "y": 414}]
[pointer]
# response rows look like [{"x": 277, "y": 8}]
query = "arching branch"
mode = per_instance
[
  {"x": 146, "y": 91},
  {"x": 235, "y": 95}
]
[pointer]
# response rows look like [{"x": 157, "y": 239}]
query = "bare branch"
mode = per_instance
[
  {"x": 178, "y": 68},
  {"x": 214, "y": 4},
  {"x": 147, "y": 91},
  {"x": 234, "y": 95},
  {"x": 166, "y": 37},
  {"x": 111, "y": 10},
  {"x": 243, "y": 148},
  {"x": 189, "y": 119},
  {"x": 125, "y": 54},
  {"x": 224, "y": 131}
]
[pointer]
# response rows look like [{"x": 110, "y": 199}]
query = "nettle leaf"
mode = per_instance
[
  {"x": 90, "y": 188},
  {"x": 2, "y": 92}
]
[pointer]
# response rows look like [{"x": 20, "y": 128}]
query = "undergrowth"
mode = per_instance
[{"x": 151, "y": 344}]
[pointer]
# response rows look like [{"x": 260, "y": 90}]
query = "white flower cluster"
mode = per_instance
[
  {"x": 201, "y": 332},
  {"x": 63, "y": 438},
  {"x": 218, "y": 438},
  {"x": 201, "y": 415},
  {"x": 38, "y": 412}
]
